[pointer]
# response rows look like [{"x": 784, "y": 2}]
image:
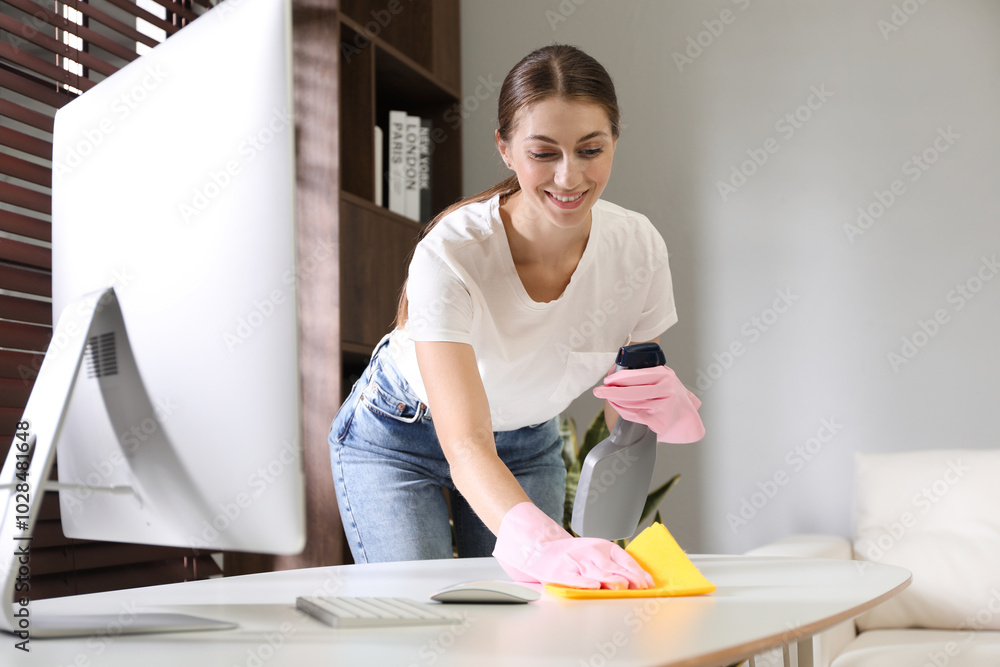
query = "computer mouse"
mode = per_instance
[{"x": 491, "y": 592}]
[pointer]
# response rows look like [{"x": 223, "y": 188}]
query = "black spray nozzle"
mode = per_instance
[{"x": 641, "y": 355}]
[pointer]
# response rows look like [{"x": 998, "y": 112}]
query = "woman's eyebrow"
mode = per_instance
[{"x": 542, "y": 137}]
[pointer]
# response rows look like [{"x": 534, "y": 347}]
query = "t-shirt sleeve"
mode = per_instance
[
  {"x": 440, "y": 305},
  {"x": 659, "y": 312}
]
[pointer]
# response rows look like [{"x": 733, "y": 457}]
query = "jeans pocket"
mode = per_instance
[{"x": 385, "y": 400}]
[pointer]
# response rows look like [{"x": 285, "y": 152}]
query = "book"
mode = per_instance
[
  {"x": 379, "y": 140},
  {"x": 411, "y": 167},
  {"x": 426, "y": 148},
  {"x": 397, "y": 140}
]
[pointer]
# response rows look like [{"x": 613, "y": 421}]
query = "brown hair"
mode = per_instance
[{"x": 558, "y": 70}]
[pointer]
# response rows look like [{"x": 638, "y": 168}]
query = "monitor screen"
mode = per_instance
[{"x": 174, "y": 184}]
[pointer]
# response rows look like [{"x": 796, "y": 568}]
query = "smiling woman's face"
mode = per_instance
[{"x": 561, "y": 151}]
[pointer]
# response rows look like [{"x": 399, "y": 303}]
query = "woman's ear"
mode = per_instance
[{"x": 501, "y": 147}]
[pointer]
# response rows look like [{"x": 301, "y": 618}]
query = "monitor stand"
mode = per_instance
[{"x": 25, "y": 475}]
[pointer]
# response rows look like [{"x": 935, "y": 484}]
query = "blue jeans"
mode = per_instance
[{"x": 389, "y": 472}]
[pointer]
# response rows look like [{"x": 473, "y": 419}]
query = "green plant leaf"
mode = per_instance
[
  {"x": 567, "y": 431},
  {"x": 572, "y": 482},
  {"x": 656, "y": 497},
  {"x": 596, "y": 432}
]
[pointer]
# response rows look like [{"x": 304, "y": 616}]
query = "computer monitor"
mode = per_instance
[{"x": 174, "y": 278}]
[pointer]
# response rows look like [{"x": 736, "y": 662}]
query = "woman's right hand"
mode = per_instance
[{"x": 532, "y": 548}]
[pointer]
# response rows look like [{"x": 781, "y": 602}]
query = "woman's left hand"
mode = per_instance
[{"x": 655, "y": 397}]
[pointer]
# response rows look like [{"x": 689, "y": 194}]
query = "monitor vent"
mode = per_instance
[{"x": 100, "y": 356}]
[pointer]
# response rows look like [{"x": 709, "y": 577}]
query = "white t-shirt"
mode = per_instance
[{"x": 534, "y": 358}]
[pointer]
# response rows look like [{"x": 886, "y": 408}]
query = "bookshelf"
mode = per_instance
[{"x": 394, "y": 55}]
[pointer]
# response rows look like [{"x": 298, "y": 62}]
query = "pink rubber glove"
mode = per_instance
[
  {"x": 532, "y": 548},
  {"x": 655, "y": 397}
]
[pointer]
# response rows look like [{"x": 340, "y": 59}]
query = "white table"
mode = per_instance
[{"x": 760, "y": 603}]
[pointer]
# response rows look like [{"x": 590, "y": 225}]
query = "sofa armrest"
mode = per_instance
[
  {"x": 828, "y": 644},
  {"x": 807, "y": 546}
]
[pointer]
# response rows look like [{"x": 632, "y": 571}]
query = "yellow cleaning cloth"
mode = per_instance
[{"x": 658, "y": 553}]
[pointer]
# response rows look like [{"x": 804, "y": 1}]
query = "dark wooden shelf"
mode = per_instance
[
  {"x": 415, "y": 80},
  {"x": 408, "y": 224}
]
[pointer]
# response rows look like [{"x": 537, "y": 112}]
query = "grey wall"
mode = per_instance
[{"x": 809, "y": 335}]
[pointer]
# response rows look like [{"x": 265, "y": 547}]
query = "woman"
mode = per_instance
[{"x": 516, "y": 302}]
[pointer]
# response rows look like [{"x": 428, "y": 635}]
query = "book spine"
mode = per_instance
[
  {"x": 411, "y": 167},
  {"x": 378, "y": 176},
  {"x": 426, "y": 148},
  {"x": 397, "y": 141}
]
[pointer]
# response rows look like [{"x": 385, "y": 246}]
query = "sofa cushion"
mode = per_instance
[
  {"x": 936, "y": 513},
  {"x": 921, "y": 648}
]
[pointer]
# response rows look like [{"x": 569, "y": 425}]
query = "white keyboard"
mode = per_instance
[{"x": 366, "y": 612}]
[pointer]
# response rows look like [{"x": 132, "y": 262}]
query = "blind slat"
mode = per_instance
[
  {"x": 25, "y": 143},
  {"x": 29, "y": 199},
  {"x": 178, "y": 8},
  {"x": 19, "y": 365},
  {"x": 27, "y": 116},
  {"x": 55, "y": 46},
  {"x": 36, "y": 91},
  {"x": 25, "y": 310},
  {"x": 14, "y": 392},
  {"x": 132, "y": 8},
  {"x": 25, "y": 280},
  {"x": 48, "y": 532},
  {"x": 22, "y": 336},
  {"x": 24, "y": 225},
  {"x": 39, "y": 66},
  {"x": 85, "y": 33},
  {"x": 19, "y": 252},
  {"x": 99, "y": 555},
  {"x": 123, "y": 29},
  {"x": 26, "y": 171},
  {"x": 9, "y": 418}
]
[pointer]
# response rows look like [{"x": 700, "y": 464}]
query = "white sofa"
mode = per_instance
[{"x": 936, "y": 513}]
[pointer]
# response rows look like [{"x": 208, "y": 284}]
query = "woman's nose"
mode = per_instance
[{"x": 568, "y": 173}]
